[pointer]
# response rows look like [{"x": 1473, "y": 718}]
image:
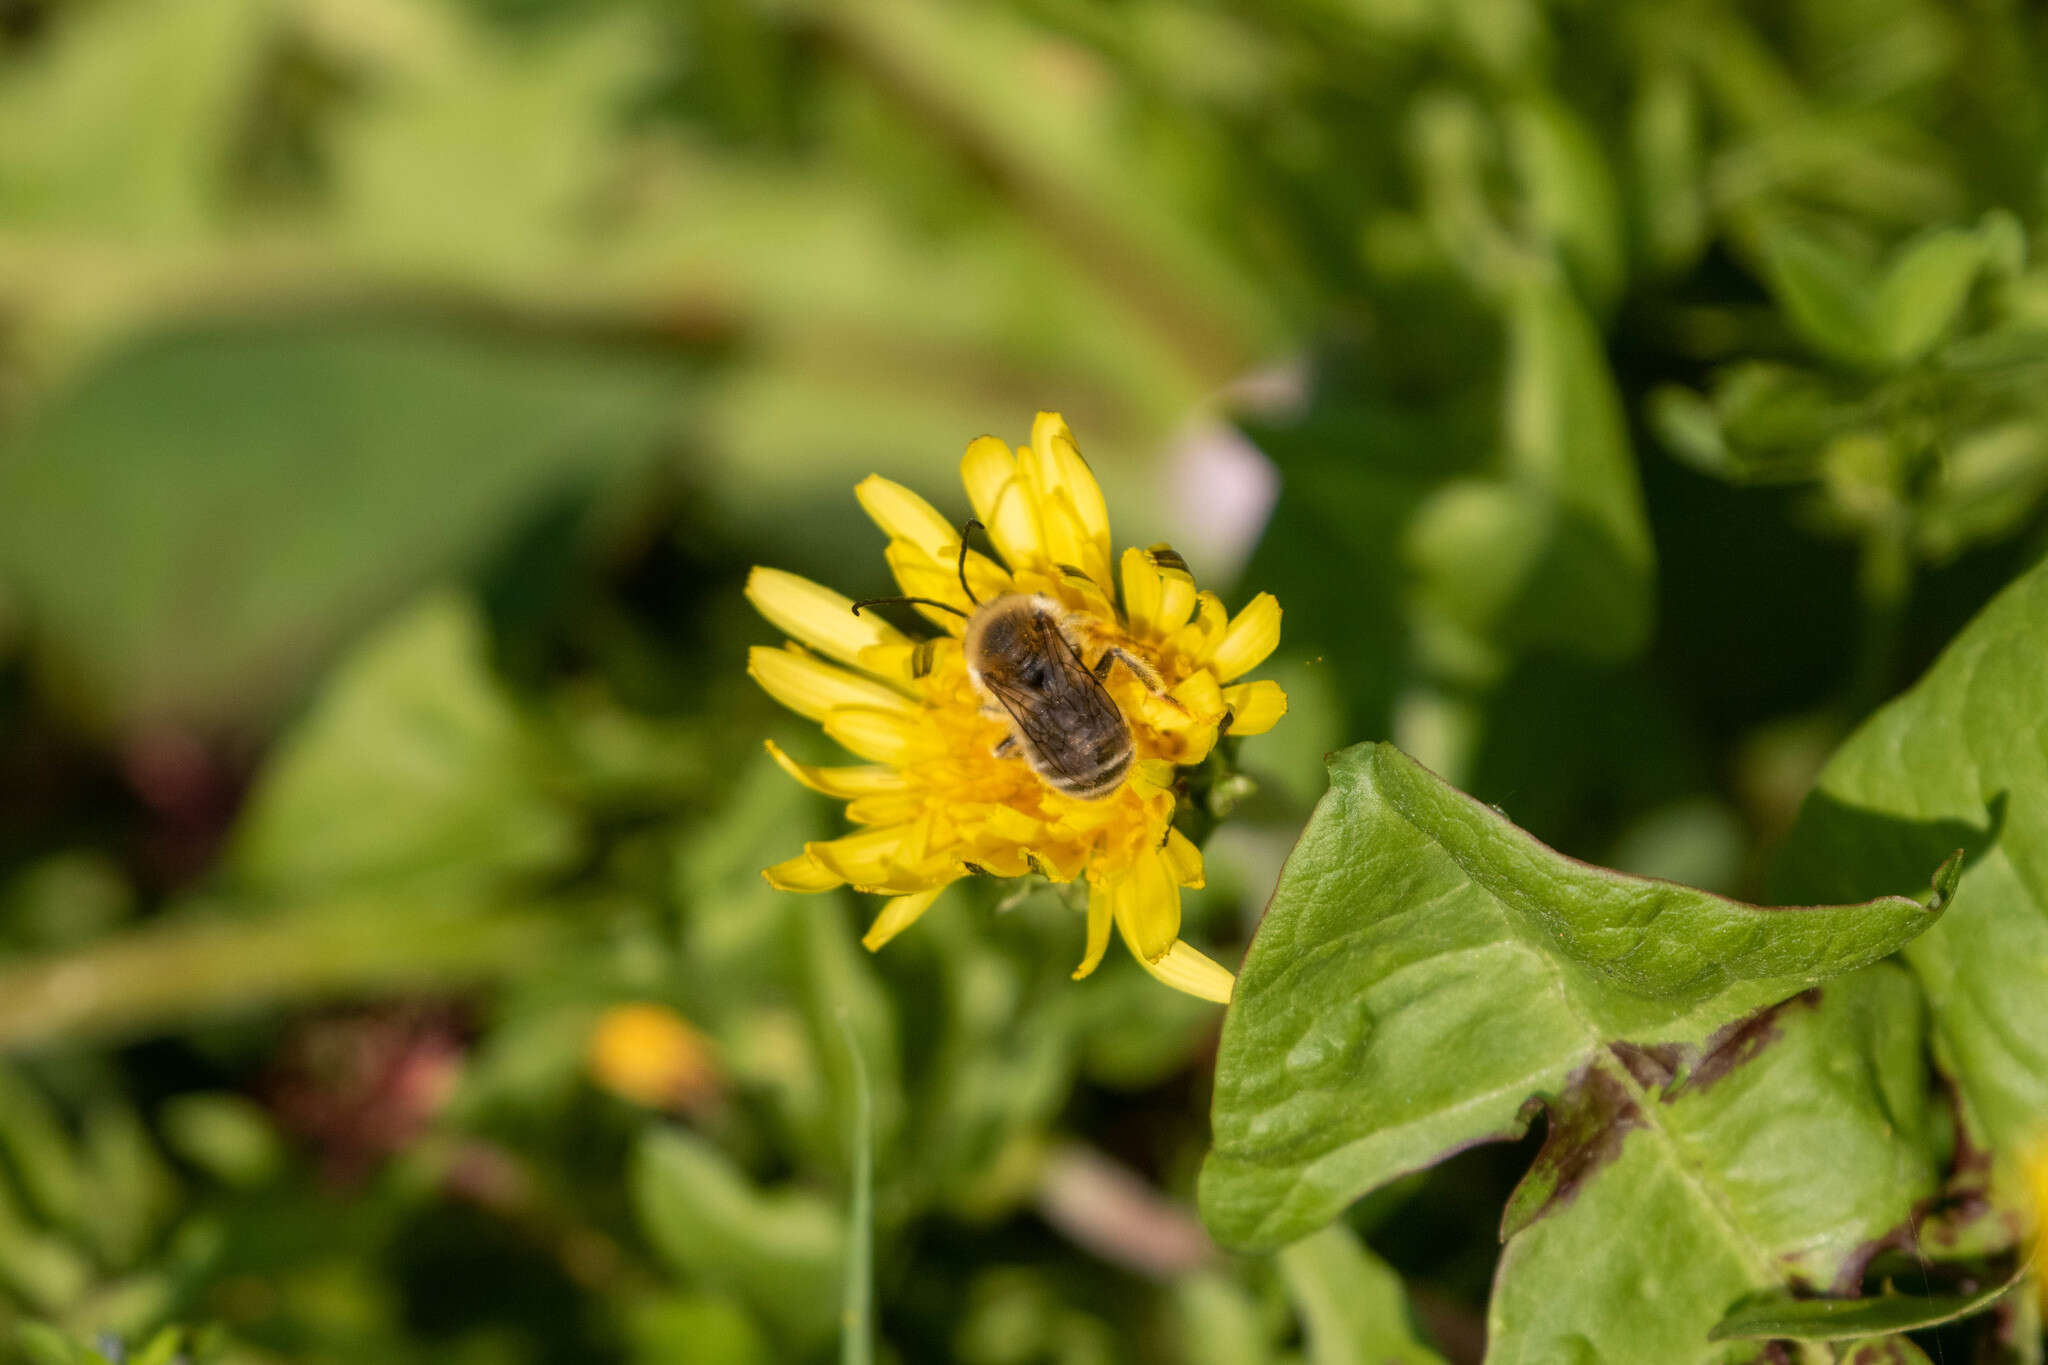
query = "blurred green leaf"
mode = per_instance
[
  {"x": 1825, "y": 294},
  {"x": 39, "y": 1152},
  {"x": 1572, "y": 199},
  {"x": 125, "y": 123},
  {"x": 133, "y": 1189},
  {"x": 160, "y": 1349},
  {"x": 1558, "y": 555},
  {"x": 1924, "y": 290},
  {"x": 698, "y": 1328},
  {"x": 1951, "y": 763},
  {"x": 413, "y": 763},
  {"x": 1218, "y": 1322},
  {"x": 1425, "y": 968},
  {"x": 45, "y": 1345},
  {"x": 254, "y": 492},
  {"x": 1352, "y": 1306},
  {"x": 781, "y": 1252},
  {"x": 231, "y": 1138}
]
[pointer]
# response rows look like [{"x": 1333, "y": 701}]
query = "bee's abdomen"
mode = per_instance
[{"x": 1085, "y": 773}]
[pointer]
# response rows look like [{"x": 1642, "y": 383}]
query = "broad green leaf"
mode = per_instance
[
  {"x": 1672, "y": 1185},
  {"x": 1957, "y": 762},
  {"x": 195, "y": 525},
  {"x": 1425, "y": 969},
  {"x": 1781, "y": 1316},
  {"x": 1924, "y": 289},
  {"x": 413, "y": 763},
  {"x": 780, "y": 1252},
  {"x": 1352, "y": 1306}
]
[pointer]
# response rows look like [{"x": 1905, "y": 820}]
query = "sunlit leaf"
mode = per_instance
[
  {"x": 1955, "y": 763},
  {"x": 1425, "y": 968}
]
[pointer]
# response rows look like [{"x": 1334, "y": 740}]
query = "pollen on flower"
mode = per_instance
[{"x": 935, "y": 799}]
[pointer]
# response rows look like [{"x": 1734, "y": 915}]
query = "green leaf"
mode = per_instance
[
  {"x": 1425, "y": 968},
  {"x": 1788, "y": 1149},
  {"x": 126, "y": 127},
  {"x": 780, "y": 1252},
  {"x": 1571, "y": 197},
  {"x": 1781, "y": 1316},
  {"x": 1956, "y": 762},
  {"x": 1353, "y": 1308},
  {"x": 161, "y": 1349},
  {"x": 45, "y": 1345},
  {"x": 1924, "y": 290},
  {"x": 229, "y": 1137},
  {"x": 414, "y": 762},
  {"x": 39, "y": 1154},
  {"x": 1557, "y": 555},
  {"x": 195, "y": 525},
  {"x": 1217, "y": 1322},
  {"x": 1827, "y": 296},
  {"x": 694, "y": 1327}
]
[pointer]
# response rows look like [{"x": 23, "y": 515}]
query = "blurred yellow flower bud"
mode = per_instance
[{"x": 651, "y": 1055}]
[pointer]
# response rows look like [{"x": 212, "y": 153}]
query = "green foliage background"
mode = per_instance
[{"x": 394, "y": 394}]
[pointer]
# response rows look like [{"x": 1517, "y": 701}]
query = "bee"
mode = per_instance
[{"x": 1027, "y": 658}]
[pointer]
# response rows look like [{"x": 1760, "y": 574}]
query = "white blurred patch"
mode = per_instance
[{"x": 1221, "y": 491}]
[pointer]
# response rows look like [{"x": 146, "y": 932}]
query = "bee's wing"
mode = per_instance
[{"x": 1059, "y": 718}]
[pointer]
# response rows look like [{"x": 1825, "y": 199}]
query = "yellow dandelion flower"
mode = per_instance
[{"x": 935, "y": 801}]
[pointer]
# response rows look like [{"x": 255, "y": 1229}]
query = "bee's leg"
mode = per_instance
[
  {"x": 1006, "y": 748},
  {"x": 1142, "y": 671}
]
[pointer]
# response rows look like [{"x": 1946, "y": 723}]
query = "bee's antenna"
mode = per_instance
[
  {"x": 919, "y": 601},
  {"x": 969, "y": 525}
]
